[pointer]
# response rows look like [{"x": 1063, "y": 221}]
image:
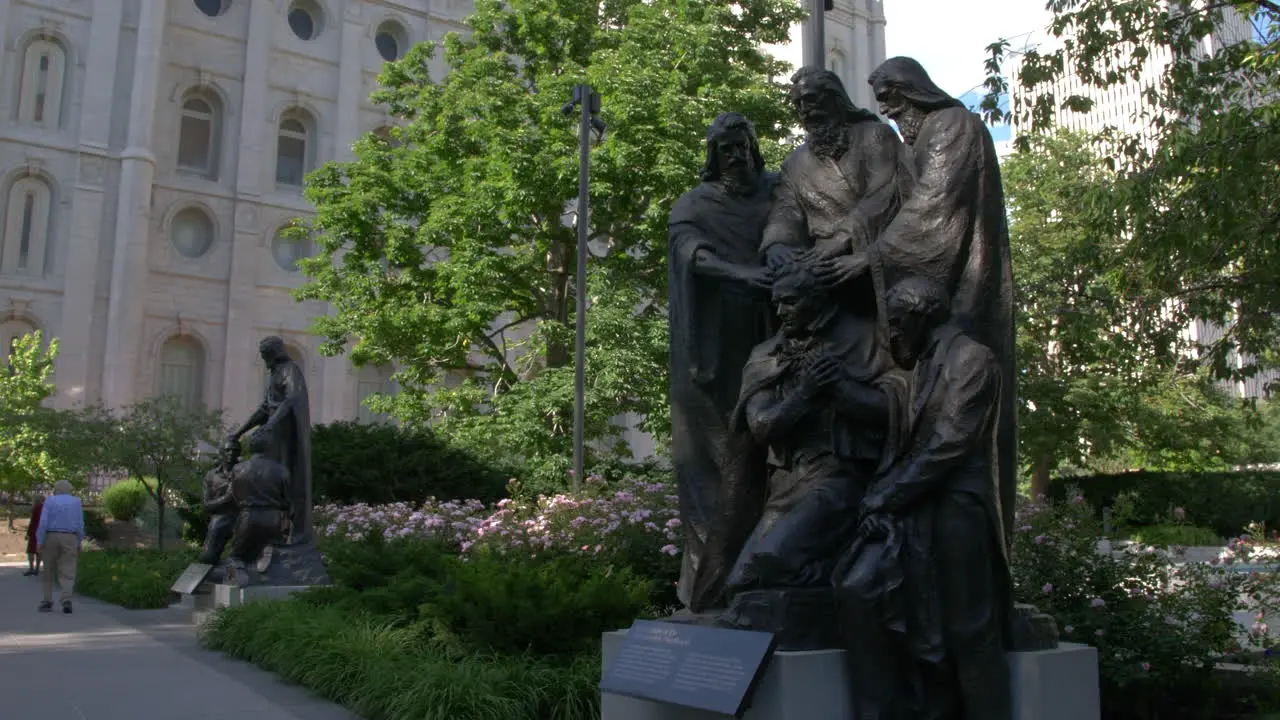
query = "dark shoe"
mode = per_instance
[
  {"x": 66, "y": 607},
  {"x": 46, "y": 607},
  {"x": 29, "y": 573}
]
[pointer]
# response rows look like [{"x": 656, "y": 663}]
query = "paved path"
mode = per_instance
[{"x": 107, "y": 663}]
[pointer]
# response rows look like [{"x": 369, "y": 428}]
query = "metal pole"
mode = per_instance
[
  {"x": 580, "y": 356},
  {"x": 815, "y": 42}
]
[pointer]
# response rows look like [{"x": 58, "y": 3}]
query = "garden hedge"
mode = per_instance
[
  {"x": 376, "y": 464},
  {"x": 1225, "y": 502}
]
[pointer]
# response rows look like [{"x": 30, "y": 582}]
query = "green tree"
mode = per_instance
[
  {"x": 157, "y": 443},
  {"x": 1109, "y": 380},
  {"x": 446, "y": 250},
  {"x": 1197, "y": 203},
  {"x": 27, "y": 457}
]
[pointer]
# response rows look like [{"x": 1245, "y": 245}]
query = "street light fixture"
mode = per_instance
[{"x": 588, "y": 102}]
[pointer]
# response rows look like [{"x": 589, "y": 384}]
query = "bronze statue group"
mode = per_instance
[
  {"x": 264, "y": 500},
  {"x": 842, "y": 393}
]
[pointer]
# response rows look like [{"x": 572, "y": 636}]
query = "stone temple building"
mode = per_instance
[{"x": 152, "y": 150}]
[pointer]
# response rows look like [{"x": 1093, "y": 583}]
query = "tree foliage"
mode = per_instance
[
  {"x": 157, "y": 442},
  {"x": 1195, "y": 202},
  {"x": 447, "y": 250},
  {"x": 1108, "y": 377},
  {"x": 28, "y": 457}
]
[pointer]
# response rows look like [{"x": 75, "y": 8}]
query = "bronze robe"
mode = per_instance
[
  {"x": 940, "y": 583},
  {"x": 818, "y": 198},
  {"x": 714, "y": 325},
  {"x": 285, "y": 403},
  {"x": 820, "y": 465},
  {"x": 952, "y": 229}
]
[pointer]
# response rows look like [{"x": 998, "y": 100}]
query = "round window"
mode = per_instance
[
  {"x": 191, "y": 232},
  {"x": 288, "y": 250},
  {"x": 306, "y": 20},
  {"x": 388, "y": 46},
  {"x": 213, "y": 8}
]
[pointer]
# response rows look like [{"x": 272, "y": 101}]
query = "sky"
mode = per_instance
[{"x": 949, "y": 37}]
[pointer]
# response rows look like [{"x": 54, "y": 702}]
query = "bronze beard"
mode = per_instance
[
  {"x": 740, "y": 182},
  {"x": 829, "y": 141},
  {"x": 909, "y": 123}
]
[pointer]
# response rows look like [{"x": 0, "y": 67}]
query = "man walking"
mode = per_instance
[{"x": 59, "y": 537}]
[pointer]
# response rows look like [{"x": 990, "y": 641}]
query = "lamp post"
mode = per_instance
[
  {"x": 589, "y": 104},
  {"x": 815, "y": 41}
]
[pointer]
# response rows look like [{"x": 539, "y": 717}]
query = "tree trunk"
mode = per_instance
[
  {"x": 557, "y": 300},
  {"x": 1040, "y": 478},
  {"x": 159, "y": 518}
]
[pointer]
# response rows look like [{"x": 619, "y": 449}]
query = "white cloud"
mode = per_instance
[{"x": 949, "y": 37}]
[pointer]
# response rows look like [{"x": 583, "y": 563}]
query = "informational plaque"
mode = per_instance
[
  {"x": 706, "y": 668},
  {"x": 191, "y": 578}
]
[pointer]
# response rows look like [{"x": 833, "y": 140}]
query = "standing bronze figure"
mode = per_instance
[
  {"x": 285, "y": 417},
  {"x": 951, "y": 228},
  {"x": 719, "y": 310},
  {"x": 839, "y": 189}
]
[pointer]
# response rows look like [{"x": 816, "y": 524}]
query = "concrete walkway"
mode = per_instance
[{"x": 106, "y": 663}]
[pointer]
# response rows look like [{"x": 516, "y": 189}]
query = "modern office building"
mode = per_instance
[
  {"x": 152, "y": 150},
  {"x": 1119, "y": 106}
]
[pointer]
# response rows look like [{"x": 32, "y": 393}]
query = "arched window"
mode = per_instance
[
  {"x": 181, "y": 373},
  {"x": 372, "y": 380},
  {"x": 26, "y": 227},
  {"x": 292, "y": 149},
  {"x": 10, "y": 333},
  {"x": 40, "y": 97},
  {"x": 198, "y": 134}
]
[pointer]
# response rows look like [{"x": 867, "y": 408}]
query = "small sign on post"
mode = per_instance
[
  {"x": 705, "y": 668},
  {"x": 191, "y": 578}
]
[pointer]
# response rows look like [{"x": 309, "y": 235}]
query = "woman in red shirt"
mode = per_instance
[{"x": 33, "y": 555}]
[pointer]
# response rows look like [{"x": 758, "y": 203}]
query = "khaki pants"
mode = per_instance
[{"x": 60, "y": 552}]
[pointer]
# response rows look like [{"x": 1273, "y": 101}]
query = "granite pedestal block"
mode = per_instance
[
  {"x": 1057, "y": 684},
  {"x": 225, "y": 596}
]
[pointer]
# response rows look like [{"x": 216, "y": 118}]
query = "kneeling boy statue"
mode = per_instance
[{"x": 260, "y": 486}]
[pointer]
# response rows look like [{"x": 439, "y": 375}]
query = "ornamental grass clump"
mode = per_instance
[
  {"x": 137, "y": 579},
  {"x": 382, "y": 669},
  {"x": 1161, "y": 628}
]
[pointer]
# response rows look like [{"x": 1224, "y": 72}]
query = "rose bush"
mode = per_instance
[
  {"x": 630, "y": 522},
  {"x": 1161, "y": 628}
]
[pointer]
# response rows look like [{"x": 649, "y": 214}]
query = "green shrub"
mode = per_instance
[
  {"x": 1224, "y": 502},
  {"x": 135, "y": 579},
  {"x": 95, "y": 527},
  {"x": 125, "y": 500},
  {"x": 1159, "y": 628},
  {"x": 555, "y": 605},
  {"x": 378, "y": 669},
  {"x": 485, "y": 601},
  {"x": 377, "y": 464},
  {"x": 1167, "y": 535}
]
